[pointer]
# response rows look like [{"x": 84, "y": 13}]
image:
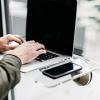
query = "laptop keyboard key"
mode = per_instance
[{"x": 46, "y": 56}]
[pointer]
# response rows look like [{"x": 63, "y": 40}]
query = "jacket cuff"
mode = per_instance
[{"x": 13, "y": 59}]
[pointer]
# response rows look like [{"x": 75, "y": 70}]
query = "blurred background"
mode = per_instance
[{"x": 88, "y": 29}]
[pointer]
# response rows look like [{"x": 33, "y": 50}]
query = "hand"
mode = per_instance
[
  {"x": 28, "y": 51},
  {"x": 4, "y": 42}
]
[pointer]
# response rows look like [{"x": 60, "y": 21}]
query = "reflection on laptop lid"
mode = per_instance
[{"x": 52, "y": 23}]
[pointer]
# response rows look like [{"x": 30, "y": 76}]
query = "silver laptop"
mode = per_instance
[{"x": 52, "y": 24}]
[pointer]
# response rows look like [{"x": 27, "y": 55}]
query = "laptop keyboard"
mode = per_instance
[{"x": 46, "y": 56}]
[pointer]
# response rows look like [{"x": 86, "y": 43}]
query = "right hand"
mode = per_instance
[
  {"x": 28, "y": 51},
  {"x": 5, "y": 40}
]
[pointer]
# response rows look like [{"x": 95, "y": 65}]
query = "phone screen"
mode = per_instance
[{"x": 61, "y": 70}]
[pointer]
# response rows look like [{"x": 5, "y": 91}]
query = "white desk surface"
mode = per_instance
[{"x": 29, "y": 89}]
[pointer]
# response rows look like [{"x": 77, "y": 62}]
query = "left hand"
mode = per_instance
[
  {"x": 28, "y": 51},
  {"x": 4, "y": 42}
]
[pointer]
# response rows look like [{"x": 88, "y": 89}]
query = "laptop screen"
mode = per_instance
[{"x": 52, "y": 23}]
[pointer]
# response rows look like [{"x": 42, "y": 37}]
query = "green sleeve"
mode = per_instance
[{"x": 9, "y": 73}]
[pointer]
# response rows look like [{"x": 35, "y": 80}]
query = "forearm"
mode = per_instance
[{"x": 9, "y": 74}]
